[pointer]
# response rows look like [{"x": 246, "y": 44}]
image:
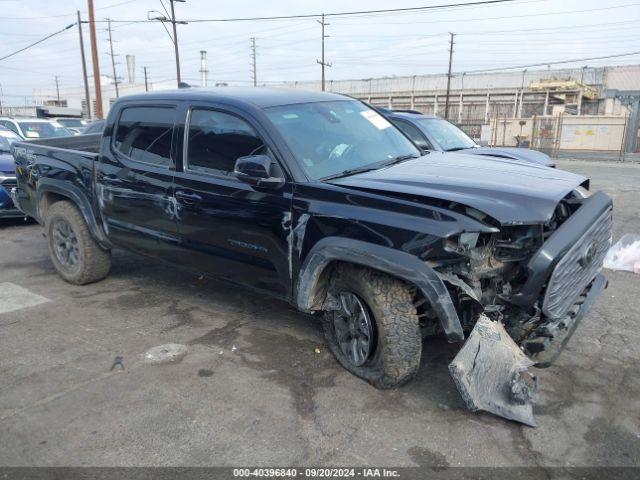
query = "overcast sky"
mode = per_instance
[{"x": 363, "y": 46}]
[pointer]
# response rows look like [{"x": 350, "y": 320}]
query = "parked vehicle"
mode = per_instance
[
  {"x": 73, "y": 124},
  {"x": 317, "y": 199},
  {"x": 94, "y": 127},
  {"x": 35, "y": 127},
  {"x": 434, "y": 133},
  {"x": 7, "y": 174}
]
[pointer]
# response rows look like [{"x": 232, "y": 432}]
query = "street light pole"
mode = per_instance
[
  {"x": 87, "y": 99},
  {"x": 175, "y": 39},
  {"x": 162, "y": 18}
]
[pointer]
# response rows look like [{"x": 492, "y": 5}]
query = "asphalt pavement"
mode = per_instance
[{"x": 256, "y": 385}]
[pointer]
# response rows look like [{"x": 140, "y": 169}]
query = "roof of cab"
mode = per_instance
[{"x": 257, "y": 96}]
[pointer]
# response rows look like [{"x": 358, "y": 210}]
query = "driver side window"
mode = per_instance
[{"x": 215, "y": 141}]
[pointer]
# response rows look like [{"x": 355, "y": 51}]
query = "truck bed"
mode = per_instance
[
  {"x": 55, "y": 165},
  {"x": 80, "y": 143}
]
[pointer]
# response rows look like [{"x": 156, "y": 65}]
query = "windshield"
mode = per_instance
[
  {"x": 71, "y": 122},
  {"x": 329, "y": 138},
  {"x": 7, "y": 137},
  {"x": 43, "y": 129},
  {"x": 445, "y": 134}
]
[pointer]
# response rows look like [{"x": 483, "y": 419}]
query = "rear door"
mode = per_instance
[
  {"x": 228, "y": 228},
  {"x": 134, "y": 184}
]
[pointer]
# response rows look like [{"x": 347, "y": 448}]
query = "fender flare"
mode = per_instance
[
  {"x": 73, "y": 193},
  {"x": 394, "y": 262}
]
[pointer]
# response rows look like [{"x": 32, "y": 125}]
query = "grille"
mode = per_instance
[{"x": 578, "y": 267}]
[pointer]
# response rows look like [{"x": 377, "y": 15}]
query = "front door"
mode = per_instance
[
  {"x": 228, "y": 228},
  {"x": 134, "y": 184}
]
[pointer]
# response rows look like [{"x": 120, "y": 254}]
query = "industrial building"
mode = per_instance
[{"x": 569, "y": 109}]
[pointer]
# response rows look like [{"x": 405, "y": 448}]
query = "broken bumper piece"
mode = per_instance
[
  {"x": 491, "y": 373},
  {"x": 491, "y": 370}
]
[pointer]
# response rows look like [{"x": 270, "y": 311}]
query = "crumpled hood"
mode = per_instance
[
  {"x": 7, "y": 163},
  {"x": 525, "y": 154},
  {"x": 511, "y": 191}
]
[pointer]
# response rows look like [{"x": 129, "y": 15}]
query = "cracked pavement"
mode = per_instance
[{"x": 253, "y": 391}]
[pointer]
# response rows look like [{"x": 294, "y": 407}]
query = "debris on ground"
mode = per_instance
[
  {"x": 491, "y": 373},
  {"x": 317, "y": 350},
  {"x": 117, "y": 362},
  {"x": 625, "y": 254},
  {"x": 166, "y": 353}
]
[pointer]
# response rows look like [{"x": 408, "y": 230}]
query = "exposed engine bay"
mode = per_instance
[{"x": 489, "y": 278}]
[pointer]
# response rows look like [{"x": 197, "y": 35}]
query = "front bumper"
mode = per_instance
[
  {"x": 491, "y": 370},
  {"x": 548, "y": 341}
]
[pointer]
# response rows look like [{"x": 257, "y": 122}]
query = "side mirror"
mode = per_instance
[{"x": 259, "y": 171}]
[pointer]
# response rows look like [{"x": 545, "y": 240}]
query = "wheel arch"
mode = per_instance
[
  {"x": 51, "y": 191},
  {"x": 329, "y": 251}
]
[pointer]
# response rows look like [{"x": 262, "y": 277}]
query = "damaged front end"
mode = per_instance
[{"x": 521, "y": 292}]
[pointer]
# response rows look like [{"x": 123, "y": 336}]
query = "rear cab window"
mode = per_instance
[{"x": 144, "y": 134}]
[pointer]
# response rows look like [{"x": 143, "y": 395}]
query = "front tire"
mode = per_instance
[
  {"x": 372, "y": 328},
  {"x": 76, "y": 256}
]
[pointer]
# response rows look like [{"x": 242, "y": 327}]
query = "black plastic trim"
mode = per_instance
[{"x": 545, "y": 259}]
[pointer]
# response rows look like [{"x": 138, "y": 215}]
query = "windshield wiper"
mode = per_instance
[
  {"x": 400, "y": 158},
  {"x": 351, "y": 171},
  {"x": 455, "y": 149}
]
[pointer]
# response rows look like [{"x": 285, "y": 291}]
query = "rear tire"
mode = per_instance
[
  {"x": 76, "y": 256},
  {"x": 396, "y": 343}
]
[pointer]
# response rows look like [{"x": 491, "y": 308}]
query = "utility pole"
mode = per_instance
[
  {"x": 322, "y": 62},
  {"x": 175, "y": 39},
  {"x": 96, "y": 64},
  {"x": 87, "y": 99},
  {"x": 460, "y": 102},
  {"x": 524, "y": 72},
  {"x": 146, "y": 85},
  {"x": 203, "y": 68},
  {"x": 253, "y": 61},
  {"x": 446, "y": 102},
  {"x": 57, "y": 91},
  {"x": 113, "y": 58}
]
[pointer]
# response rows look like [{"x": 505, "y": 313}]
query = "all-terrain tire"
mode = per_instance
[
  {"x": 93, "y": 263},
  {"x": 398, "y": 341}
]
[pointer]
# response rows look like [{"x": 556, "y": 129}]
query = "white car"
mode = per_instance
[
  {"x": 74, "y": 124},
  {"x": 35, "y": 127}
]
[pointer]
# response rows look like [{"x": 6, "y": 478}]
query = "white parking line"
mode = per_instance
[{"x": 14, "y": 297}]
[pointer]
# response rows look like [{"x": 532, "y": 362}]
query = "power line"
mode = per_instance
[
  {"x": 335, "y": 14},
  {"x": 67, "y": 14},
  {"x": 559, "y": 62},
  {"x": 508, "y": 17},
  {"x": 38, "y": 41},
  {"x": 361, "y": 12}
]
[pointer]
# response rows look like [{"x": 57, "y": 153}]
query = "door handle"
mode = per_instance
[{"x": 188, "y": 197}]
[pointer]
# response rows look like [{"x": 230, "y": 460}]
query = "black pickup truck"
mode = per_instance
[{"x": 317, "y": 199}]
